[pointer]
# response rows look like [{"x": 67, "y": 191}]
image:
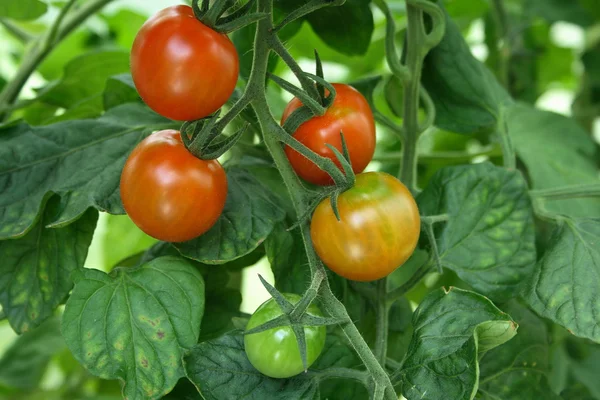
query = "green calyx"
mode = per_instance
[
  {"x": 215, "y": 18},
  {"x": 294, "y": 316},
  {"x": 205, "y": 141}
]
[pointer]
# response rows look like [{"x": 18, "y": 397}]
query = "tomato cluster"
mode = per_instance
[
  {"x": 379, "y": 221},
  {"x": 183, "y": 70}
]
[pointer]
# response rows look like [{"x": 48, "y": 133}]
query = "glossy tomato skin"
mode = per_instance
[
  {"x": 275, "y": 352},
  {"x": 349, "y": 113},
  {"x": 378, "y": 230},
  {"x": 170, "y": 194},
  {"x": 181, "y": 68}
]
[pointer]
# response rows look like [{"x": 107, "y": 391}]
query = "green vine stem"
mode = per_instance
[
  {"x": 501, "y": 21},
  {"x": 508, "y": 150},
  {"x": 458, "y": 157},
  {"x": 382, "y": 321},
  {"x": 41, "y": 47},
  {"x": 414, "y": 62},
  {"x": 567, "y": 192},
  {"x": 418, "y": 44},
  {"x": 16, "y": 31},
  {"x": 273, "y": 135}
]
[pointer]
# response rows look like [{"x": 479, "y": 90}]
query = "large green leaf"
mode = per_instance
[
  {"x": 222, "y": 303},
  {"x": 119, "y": 89},
  {"x": 135, "y": 324},
  {"x": 518, "y": 370},
  {"x": 565, "y": 286},
  {"x": 286, "y": 254},
  {"x": 488, "y": 239},
  {"x": 84, "y": 80},
  {"x": 466, "y": 94},
  {"x": 250, "y": 214},
  {"x": 556, "y": 152},
  {"x": 452, "y": 329},
  {"x": 338, "y": 353},
  {"x": 25, "y": 361},
  {"x": 124, "y": 25},
  {"x": 81, "y": 161},
  {"x": 347, "y": 28},
  {"x": 585, "y": 367},
  {"x": 22, "y": 9},
  {"x": 35, "y": 269},
  {"x": 221, "y": 371}
]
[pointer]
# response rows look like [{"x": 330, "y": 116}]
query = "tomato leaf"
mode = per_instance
[
  {"x": 220, "y": 370},
  {"x": 136, "y": 324},
  {"x": 22, "y": 10},
  {"x": 81, "y": 161},
  {"x": 221, "y": 303},
  {"x": 250, "y": 214},
  {"x": 340, "y": 354},
  {"x": 466, "y": 94},
  {"x": 347, "y": 28},
  {"x": 24, "y": 362},
  {"x": 487, "y": 205},
  {"x": 119, "y": 90},
  {"x": 518, "y": 370},
  {"x": 567, "y": 156},
  {"x": 84, "y": 80},
  {"x": 565, "y": 286},
  {"x": 35, "y": 269},
  {"x": 286, "y": 254},
  {"x": 452, "y": 329}
]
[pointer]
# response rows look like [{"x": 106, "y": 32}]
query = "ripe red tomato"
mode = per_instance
[
  {"x": 170, "y": 194},
  {"x": 275, "y": 352},
  {"x": 183, "y": 69},
  {"x": 378, "y": 230},
  {"x": 349, "y": 113}
]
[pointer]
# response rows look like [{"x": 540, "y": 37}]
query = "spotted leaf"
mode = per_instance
[{"x": 135, "y": 324}]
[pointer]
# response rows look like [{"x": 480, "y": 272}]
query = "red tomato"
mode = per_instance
[
  {"x": 349, "y": 113},
  {"x": 170, "y": 194},
  {"x": 183, "y": 69},
  {"x": 378, "y": 230}
]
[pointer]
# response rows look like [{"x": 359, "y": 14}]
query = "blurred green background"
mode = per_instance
[{"x": 553, "y": 50}]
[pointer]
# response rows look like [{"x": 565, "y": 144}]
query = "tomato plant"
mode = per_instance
[
  {"x": 377, "y": 232},
  {"x": 183, "y": 69},
  {"x": 275, "y": 352},
  {"x": 350, "y": 114},
  {"x": 151, "y": 201},
  {"x": 170, "y": 194}
]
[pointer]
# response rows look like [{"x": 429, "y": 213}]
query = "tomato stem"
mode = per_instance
[
  {"x": 382, "y": 322},
  {"x": 273, "y": 135},
  {"x": 411, "y": 283},
  {"x": 567, "y": 192},
  {"x": 16, "y": 31}
]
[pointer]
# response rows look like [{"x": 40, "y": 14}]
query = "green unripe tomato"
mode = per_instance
[{"x": 275, "y": 352}]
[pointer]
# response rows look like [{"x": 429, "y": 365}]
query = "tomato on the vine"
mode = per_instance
[
  {"x": 170, "y": 194},
  {"x": 275, "y": 352},
  {"x": 183, "y": 69},
  {"x": 349, "y": 113},
  {"x": 378, "y": 229}
]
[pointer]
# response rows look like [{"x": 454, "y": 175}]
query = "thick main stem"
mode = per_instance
[
  {"x": 414, "y": 62},
  {"x": 382, "y": 322},
  {"x": 300, "y": 195}
]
